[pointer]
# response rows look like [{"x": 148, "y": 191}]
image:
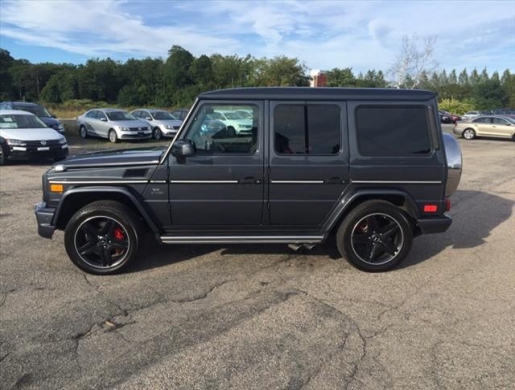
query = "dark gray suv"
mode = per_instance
[{"x": 368, "y": 165}]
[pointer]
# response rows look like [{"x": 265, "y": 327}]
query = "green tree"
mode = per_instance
[
  {"x": 6, "y": 79},
  {"x": 338, "y": 77},
  {"x": 490, "y": 94},
  {"x": 463, "y": 78}
]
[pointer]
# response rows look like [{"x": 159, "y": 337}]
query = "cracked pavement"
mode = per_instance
[{"x": 262, "y": 316}]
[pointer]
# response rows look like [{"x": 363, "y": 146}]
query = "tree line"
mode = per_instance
[{"x": 176, "y": 80}]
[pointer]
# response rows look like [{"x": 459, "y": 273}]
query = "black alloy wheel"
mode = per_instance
[
  {"x": 102, "y": 237},
  {"x": 375, "y": 236},
  {"x": 83, "y": 132}
]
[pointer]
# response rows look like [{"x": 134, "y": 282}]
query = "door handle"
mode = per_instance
[{"x": 249, "y": 180}]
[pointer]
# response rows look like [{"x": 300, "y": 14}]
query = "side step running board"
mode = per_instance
[{"x": 242, "y": 239}]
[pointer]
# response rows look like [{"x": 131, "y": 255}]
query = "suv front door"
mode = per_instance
[
  {"x": 222, "y": 184},
  {"x": 308, "y": 169}
]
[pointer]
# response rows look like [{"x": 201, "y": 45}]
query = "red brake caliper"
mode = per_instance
[{"x": 118, "y": 234}]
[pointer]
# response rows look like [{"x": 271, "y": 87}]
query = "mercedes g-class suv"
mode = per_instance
[{"x": 368, "y": 165}]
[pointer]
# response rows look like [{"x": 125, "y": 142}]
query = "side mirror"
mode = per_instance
[
  {"x": 148, "y": 118},
  {"x": 103, "y": 119},
  {"x": 183, "y": 148}
]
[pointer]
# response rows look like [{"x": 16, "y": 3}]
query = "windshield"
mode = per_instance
[
  {"x": 163, "y": 115},
  {"x": 119, "y": 116},
  {"x": 511, "y": 120},
  {"x": 21, "y": 122},
  {"x": 36, "y": 110}
]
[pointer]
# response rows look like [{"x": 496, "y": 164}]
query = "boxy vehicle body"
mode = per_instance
[{"x": 369, "y": 165}]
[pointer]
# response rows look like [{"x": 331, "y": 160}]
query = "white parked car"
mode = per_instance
[
  {"x": 470, "y": 115},
  {"x": 113, "y": 124},
  {"x": 24, "y": 135},
  {"x": 233, "y": 121},
  {"x": 162, "y": 122}
]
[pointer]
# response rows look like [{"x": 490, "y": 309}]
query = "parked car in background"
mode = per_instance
[
  {"x": 180, "y": 113},
  {"x": 447, "y": 117},
  {"x": 38, "y": 110},
  {"x": 486, "y": 126},
  {"x": 233, "y": 121},
  {"x": 162, "y": 122},
  {"x": 24, "y": 135},
  {"x": 113, "y": 124},
  {"x": 470, "y": 115},
  {"x": 244, "y": 114}
]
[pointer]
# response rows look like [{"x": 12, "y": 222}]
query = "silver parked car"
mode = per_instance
[
  {"x": 113, "y": 124},
  {"x": 486, "y": 126},
  {"x": 162, "y": 122}
]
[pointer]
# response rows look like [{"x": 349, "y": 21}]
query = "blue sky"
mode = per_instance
[{"x": 323, "y": 34}]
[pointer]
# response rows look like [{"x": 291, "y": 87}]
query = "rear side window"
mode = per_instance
[
  {"x": 393, "y": 130},
  {"x": 307, "y": 129}
]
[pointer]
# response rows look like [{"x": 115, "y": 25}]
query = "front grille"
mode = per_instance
[
  {"x": 137, "y": 128},
  {"x": 45, "y": 143}
]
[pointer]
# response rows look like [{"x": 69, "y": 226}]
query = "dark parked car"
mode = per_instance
[
  {"x": 38, "y": 110},
  {"x": 370, "y": 166},
  {"x": 180, "y": 113},
  {"x": 447, "y": 117}
]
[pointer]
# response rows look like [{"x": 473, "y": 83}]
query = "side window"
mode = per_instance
[
  {"x": 92, "y": 114},
  {"x": 212, "y": 135},
  {"x": 307, "y": 129},
  {"x": 101, "y": 115},
  {"x": 137, "y": 114},
  {"x": 482, "y": 120},
  {"x": 499, "y": 121},
  {"x": 393, "y": 130}
]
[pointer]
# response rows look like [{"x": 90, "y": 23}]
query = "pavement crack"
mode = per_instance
[
  {"x": 4, "y": 357},
  {"x": 203, "y": 295}
]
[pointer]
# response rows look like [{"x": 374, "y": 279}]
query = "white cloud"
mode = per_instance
[{"x": 324, "y": 34}]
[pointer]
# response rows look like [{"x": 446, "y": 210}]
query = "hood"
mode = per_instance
[
  {"x": 129, "y": 123},
  {"x": 171, "y": 122},
  {"x": 122, "y": 157},
  {"x": 49, "y": 121},
  {"x": 39, "y": 134}
]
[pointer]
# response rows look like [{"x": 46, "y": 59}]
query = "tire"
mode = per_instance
[
  {"x": 83, "y": 132},
  {"x": 3, "y": 155},
  {"x": 157, "y": 134},
  {"x": 113, "y": 137},
  {"x": 468, "y": 134},
  {"x": 375, "y": 236},
  {"x": 231, "y": 132},
  {"x": 103, "y": 237}
]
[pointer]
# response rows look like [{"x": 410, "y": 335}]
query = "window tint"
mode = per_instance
[
  {"x": 307, "y": 129},
  {"x": 392, "y": 130},
  {"x": 91, "y": 114},
  {"x": 499, "y": 121},
  {"x": 482, "y": 120},
  {"x": 137, "y": 114},
  {"x": 214, "y": 136}
]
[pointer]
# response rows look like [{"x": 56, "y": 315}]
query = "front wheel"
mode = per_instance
[
  {"x": 376, "y": 236},
  {"x": 468, "y": 134},
  {"x": 113, "y": 137},
  {"x": 83, "y": 132},
  {"x": 157, "y": 134},
  {"x": 3, "y": 155},
  {"x": 103, "y": 237}
]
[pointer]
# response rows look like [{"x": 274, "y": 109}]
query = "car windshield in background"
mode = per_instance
[
  {"x": 215, "y": 115},
  {"x": 36, "y": 110},
  {"x": 232, "y": 115},
  {"x": 163, "y": 116},
  {"x": 21, "y": 122},
  {"x": 120, "y": 116}
]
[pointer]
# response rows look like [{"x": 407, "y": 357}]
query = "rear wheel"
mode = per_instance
[
  {"x": 83, "y": 132},
  {"x": 468, "y": 134},
  {"x": 103, "y": 237},
  {"x": 376, "y": 236},
  {"x": 113, "y": 137}
]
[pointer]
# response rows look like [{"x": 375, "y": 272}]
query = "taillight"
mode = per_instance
[
  {"x": 447, "y": 204},
  {"x": 430, "y": 208}
]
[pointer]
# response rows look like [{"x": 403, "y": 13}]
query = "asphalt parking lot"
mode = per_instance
[{"x": 262, "y": 316}]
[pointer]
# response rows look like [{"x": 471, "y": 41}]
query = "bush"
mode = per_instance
[{"x": 456, "y": 106}]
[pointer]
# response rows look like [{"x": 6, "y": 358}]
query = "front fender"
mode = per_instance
[{"x": 76, "y": 197}]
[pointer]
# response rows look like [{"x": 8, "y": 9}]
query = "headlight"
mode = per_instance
[
  {"x": 121, "y": 128},
  {"x": 62, "y": 141},
  {"x": 15, "y": 142}
]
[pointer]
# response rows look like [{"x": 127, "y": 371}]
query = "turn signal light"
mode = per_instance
[
  {"x": 430, "y": 208},
  {"x": 56, "y": 188}
]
